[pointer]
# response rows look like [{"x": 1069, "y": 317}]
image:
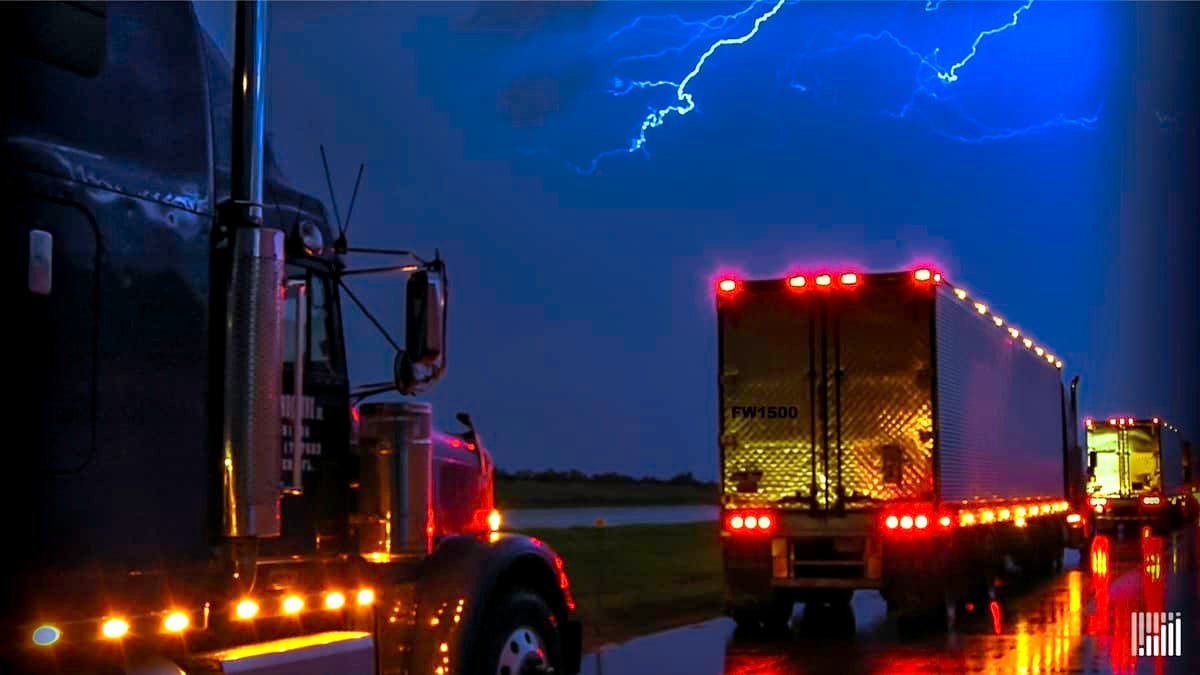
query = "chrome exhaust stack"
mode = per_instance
[{"x": 251, "y": 441}]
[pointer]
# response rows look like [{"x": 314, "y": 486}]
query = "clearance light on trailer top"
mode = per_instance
[
  {"x": 824, "y": 280},
  {"x": 797, "y": 281},
  {"x": 727, "y": 286},
  {"x": 926, "y": 275},
  {"x": 849, "y": 279}
]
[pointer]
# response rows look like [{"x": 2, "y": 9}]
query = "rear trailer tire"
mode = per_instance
[
  {"x": 770, "y": 619},
  {"x": 519, "y": 637}
]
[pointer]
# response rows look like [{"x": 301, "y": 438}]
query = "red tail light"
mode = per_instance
[
  {"x": 914, "y": 521},
  {"x": 1151, "y": 500},
  {"x": 750, "y": 522}
]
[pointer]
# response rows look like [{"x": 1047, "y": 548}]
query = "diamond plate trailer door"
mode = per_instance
[
  {"x": 767, "y": 387},
  {"x": 826, "y": 393},
  {"x": 880, "y": 377}
]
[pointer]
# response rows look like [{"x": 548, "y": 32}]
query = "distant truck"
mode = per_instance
[
  {"x": 1139, "y": 472},
  {"x": 886, "y": 431}
]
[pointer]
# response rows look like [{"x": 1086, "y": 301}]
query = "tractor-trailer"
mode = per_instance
[
  {"x": 885, "y": 431},
  {"x": 1139, "y": 472}
]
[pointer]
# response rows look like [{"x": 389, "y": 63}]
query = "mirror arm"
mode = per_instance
[
  {"x": 366, "y": 391},
  {"x": 367, "y": 313},
  {"x": 376, "y": 270},
  {"x": 386, "y": 251}
]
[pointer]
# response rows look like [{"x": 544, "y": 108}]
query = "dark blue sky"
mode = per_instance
[{"x": 1048, "y": 179}]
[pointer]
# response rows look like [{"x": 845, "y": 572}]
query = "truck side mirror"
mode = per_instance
[
  {"x": 425, "y": 329},
  {"x": 426, "y": 317},
  {"x": 465, "y": 420}
]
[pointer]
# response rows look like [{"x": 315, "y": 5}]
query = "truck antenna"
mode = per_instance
[
  {"x": 340, "y": 245},
  {"x": 329, "y": 181},
  {"x": 350, "y": 212}
]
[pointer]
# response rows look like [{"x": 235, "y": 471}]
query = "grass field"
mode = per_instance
[
  {"x": 638, "y": 579},
  {"x": 527, "y": 494}
]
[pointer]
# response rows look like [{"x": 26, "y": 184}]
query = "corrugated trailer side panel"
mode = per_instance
[
  {"x": 999, "y": 410},
  {"x": 1172, "y": 460}
]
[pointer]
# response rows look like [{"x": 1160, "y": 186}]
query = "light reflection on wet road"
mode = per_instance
[{"x": 1076, "y": 622}]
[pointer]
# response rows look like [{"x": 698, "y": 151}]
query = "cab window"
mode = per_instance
[{"x": 318, "y": 312}]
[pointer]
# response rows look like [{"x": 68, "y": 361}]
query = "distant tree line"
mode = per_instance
[{"x": 576, "y": 476}]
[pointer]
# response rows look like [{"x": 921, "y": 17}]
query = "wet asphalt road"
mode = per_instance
[{"x": 1079, "y": 621}]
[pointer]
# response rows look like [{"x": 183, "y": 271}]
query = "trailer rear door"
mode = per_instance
[
  {"x": 825, "y": 393},
  {"x": 1127, "y": 460},
  {"x": 768, "y": 398}
]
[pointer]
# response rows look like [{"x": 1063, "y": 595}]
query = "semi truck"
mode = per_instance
[
  {"x": 1139, "y": 472},
  {"x": 886, "y": 431},
  {"x": 197, "y": 487}
]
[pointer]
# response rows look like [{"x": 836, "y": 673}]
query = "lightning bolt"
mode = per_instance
[
  {"x": 931, "y": 82},
  {"x": 703, "y": 28},
  {"x": 685, "y": 102},
  {"x": 952, "y": 74}
]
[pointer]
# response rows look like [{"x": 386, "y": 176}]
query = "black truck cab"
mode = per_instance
[{"x": 116, "y": 162}]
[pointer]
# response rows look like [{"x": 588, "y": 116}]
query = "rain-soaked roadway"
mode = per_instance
[{"x": 1076, "y": 622}]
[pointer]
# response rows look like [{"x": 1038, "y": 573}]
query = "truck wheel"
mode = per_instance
[
  {"x": 519, "y": 637},
  {"x": 835, "y": 599},
  {"x": 770, "y": 620}
]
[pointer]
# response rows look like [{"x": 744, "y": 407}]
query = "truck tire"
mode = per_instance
[
  {"x": 519, "y": 637},
  {"x": 834, "y": 598},
  {"x": 769, "y": 620}
]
